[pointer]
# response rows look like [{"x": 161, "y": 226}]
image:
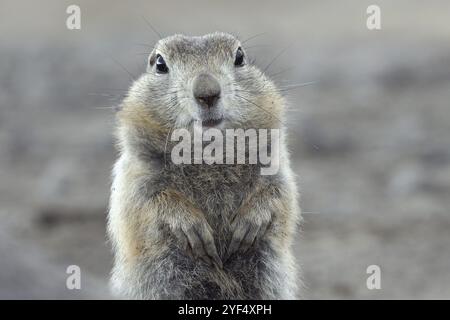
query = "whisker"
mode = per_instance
[
  {"x": 103, "y": 94},
  {"x": 113, "y": 89},
  {"x": 151, "y": 27},
  {"x": 253, "y": 37},
  {"x": 144, "y": 45},
  {"x": 258, "y": 106},
  {"x": 280, "y": 72},
  {"x": 106, "y": 108},
  {"x": 295, "y": 86},
  {"x": 274, "y": 59},
  {"x": 132, "y": 76},
  {"x": 164, "y": 94},
  {"x": 258, "y": 46}
]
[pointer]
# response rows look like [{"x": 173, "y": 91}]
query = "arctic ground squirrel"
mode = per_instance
[{"x": 200, "y": 230}]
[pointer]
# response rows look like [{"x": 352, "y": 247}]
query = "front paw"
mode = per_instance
[
  {"x": 247, "y": 230},
  {"x": 197, "y": 239}
]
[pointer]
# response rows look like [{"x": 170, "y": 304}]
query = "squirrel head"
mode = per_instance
[{"x": 206, "y": 80}]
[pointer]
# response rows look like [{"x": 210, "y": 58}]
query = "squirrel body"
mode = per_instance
[{"x": 200, "y": 231}]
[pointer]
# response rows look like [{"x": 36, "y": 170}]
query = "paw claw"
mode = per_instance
[
  {"x": 246, "y": 233},
  {"x": 201, "y": 242}
]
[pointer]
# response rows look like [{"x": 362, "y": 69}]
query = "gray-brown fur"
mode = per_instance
[{"x": 172, "y": 226}]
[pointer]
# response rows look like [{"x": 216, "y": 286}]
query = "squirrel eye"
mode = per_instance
[
  {"x": 161, "y": 66},
  {"x": 239, "y": 60}
]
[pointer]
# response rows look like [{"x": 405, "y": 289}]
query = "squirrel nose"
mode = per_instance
[{"x": 206, "y": 90}]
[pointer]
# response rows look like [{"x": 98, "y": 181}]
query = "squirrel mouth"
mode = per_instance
[{"x": 212, "y": 122}]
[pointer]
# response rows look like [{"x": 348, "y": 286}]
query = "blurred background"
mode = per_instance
[{"x": 370, "y": 140}]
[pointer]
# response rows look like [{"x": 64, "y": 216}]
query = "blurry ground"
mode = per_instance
[{"x": 370, "y": 140}]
